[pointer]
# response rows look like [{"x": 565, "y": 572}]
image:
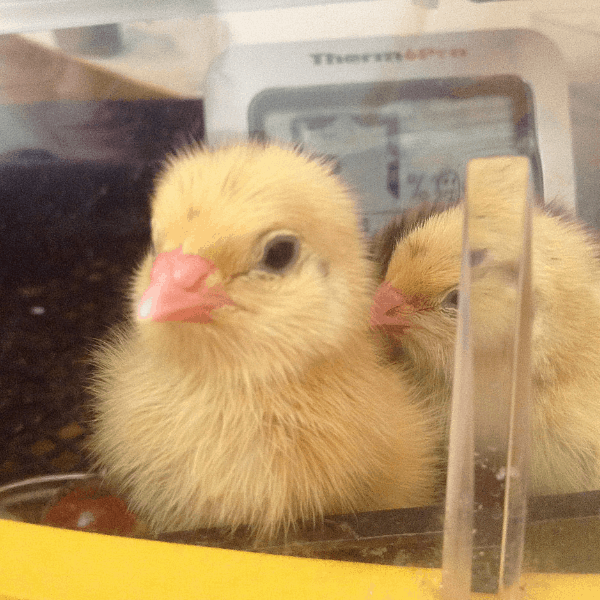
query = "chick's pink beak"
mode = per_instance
[
  {"x": 178, "y": 290},
  {"x": 390, "y": 310}
]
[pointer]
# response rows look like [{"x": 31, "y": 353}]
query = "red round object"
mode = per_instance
[{"x": 88, "y": 509}]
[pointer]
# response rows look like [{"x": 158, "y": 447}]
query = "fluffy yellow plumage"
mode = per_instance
[
  {"x": 273, "y": 405},
  {"x": 419, "y": 255}
]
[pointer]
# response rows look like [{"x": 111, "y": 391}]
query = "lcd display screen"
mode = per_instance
[{"x": 400, "y": 143}]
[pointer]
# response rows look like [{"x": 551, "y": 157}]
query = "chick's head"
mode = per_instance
[
  {"x": 416, "y": 304},
  {"x": 269, "y": 239}
]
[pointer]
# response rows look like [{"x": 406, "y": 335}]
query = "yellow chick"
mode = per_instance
[
  {"x": 247, "y": 389},
  {"x": 416, "y": 307}
]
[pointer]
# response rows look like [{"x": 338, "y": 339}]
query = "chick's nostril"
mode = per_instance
[{"x": 396, "y": 311}]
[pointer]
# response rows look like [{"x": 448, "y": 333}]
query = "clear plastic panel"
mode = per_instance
[{"x": 489, "y": 431}]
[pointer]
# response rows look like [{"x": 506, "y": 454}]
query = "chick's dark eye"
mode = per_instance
[
  {"x": 280, "y": 253},
  {"x": 450, "y": 300}
]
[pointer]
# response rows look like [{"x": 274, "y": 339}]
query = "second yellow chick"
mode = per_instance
[{"x": 419, "y": 258}]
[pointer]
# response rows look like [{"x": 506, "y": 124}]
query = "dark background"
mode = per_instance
[{"x": 71, "y": 232}]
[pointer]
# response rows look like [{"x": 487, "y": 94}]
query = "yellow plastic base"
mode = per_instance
[{"x": 39, "y": 562}]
